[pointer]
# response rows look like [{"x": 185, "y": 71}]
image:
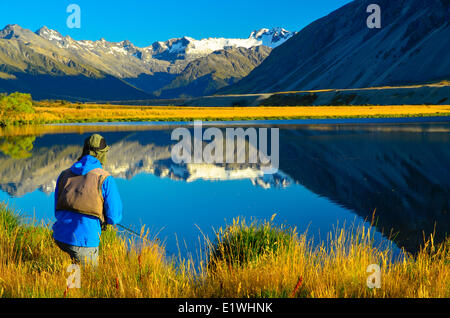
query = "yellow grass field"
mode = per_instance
[
  {"x": 251, "y": 261},
  {"x": 109, "y": 113}
]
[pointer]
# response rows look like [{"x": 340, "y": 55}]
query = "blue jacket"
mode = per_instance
[{"x": 78, "y": 229}]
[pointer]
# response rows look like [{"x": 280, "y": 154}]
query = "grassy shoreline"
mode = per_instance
[
  {"x": 20, "y": 109},
  {"x": 245, "y": 260},
  {"x": 90, "y": 113}
]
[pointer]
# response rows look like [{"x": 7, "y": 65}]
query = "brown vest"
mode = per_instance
[{"x": 82, "y": 194}]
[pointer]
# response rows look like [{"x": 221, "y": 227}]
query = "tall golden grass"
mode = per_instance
[
  {"x": 75, "y": 113},
  {"x": 159, "y": 113},
  {"x": 282, "y": 264}
]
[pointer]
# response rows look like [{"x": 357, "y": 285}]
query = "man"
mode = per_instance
[{"x": 86, "y": 199}]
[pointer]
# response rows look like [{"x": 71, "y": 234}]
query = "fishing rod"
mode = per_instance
[
  {"x": 134, "y": 233},
  {"x": 128, "y": 230}
]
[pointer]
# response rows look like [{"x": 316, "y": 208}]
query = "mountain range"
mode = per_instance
[
  {"x": 337, "y": 51},
  {"x": 340, "y": 51},
  {"x": 49, "y": 65}
]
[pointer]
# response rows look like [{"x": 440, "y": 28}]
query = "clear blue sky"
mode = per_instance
[{"x": 145, "y": 21}]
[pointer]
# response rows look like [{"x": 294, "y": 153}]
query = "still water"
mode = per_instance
[{"x": 330, "y": 174}]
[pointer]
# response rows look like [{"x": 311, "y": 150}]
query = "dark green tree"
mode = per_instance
[{"x": 13, "y": 105}]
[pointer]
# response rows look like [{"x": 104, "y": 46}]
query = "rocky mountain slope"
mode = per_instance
[
  {"x": 340, "y": 51},
  {"x": 206, "y": 75}
]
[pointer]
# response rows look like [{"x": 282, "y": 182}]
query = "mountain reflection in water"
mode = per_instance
[{"x": 399, "y": 171}]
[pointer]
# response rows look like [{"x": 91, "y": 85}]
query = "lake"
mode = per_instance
[{"x": 331, "y": 172}]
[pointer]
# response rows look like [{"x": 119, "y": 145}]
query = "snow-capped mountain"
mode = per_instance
[
  {"x": 192, "y": 47},
  {"x": 122, "y": 48},
  {"x": 272, "y": 37},
  {"x": 121, "y": 59},
  {"x": 172, "y": 49}
]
